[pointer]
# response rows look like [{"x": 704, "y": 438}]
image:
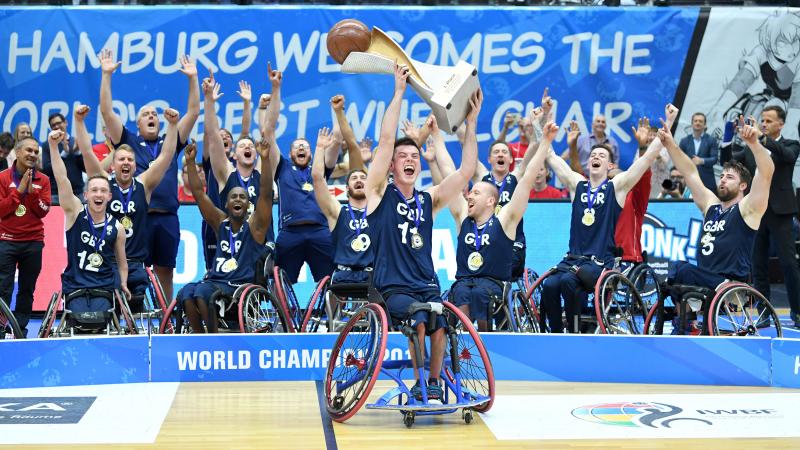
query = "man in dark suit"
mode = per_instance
[
  {"x": 776, "y": 225},
  {"x": 703, "y": 149}
]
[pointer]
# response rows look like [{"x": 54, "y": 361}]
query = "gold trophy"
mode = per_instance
[{"x": 445, "y": 89}]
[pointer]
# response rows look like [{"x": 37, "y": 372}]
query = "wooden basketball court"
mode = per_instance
[{"x": 288, "y": 415}]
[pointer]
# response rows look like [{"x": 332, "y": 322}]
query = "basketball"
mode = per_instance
[{"x": 348, "y": 35}]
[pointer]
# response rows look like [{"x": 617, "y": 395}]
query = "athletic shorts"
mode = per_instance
[
  {"x": 204, "y": 290},
  {"x": 399, "y": 303},
  {"x": 164, "y": 238},
  {"x": 477, "y": 293},
  {"x": 682, "y": 272}
]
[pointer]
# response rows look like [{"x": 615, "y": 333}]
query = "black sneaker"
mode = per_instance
[
  {"x": 435, "y": 392},
  {"x": 416, "y": 392}
]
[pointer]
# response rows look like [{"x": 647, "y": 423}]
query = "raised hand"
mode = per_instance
[
  {"x": 642, "y": 132},
  {"x": 573, "y": 133},
  {"x": 263, "y": 101},
  {"x": 190, "y": 152},
  {"x": 188, "y": 66},
  {"x": 475, "y": 102},
  {"x": 171, "y": 116},
  {"x": 244, "y": 91},
  {"x": 550, "y": 131},
  {"x": 411, "y": 131},
  {"x": 107, "y": 62},
  {"x": 665, "y": 135},
  {"x": 275, "y": 76},
  {"x": 547, "y": 102},
  {"x": 207, "y": 86},
  {"x": 366, "y": 149},
  {"x": 509, "y": 119},
  {"x": 55, "y": 137},
  {"x": 80, "y": 113},
  {"x": 25, "y": 182},
  {"x": 749, "y": 133},
  {"x": 325, "y": 138},
  {"x": 671, "y": 113},
  {"x": 263, "y": 148},
  {"x": 401, "y": 73},
  {"x": 337, "y": 102},
  {"x": 429, "y": 152},
  {"x": 215, "y": 93}
]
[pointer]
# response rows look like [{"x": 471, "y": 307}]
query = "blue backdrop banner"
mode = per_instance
[{"x": 624, "y": 63}]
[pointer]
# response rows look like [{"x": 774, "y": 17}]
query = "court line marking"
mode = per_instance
[{"x": 327, "y": 423}]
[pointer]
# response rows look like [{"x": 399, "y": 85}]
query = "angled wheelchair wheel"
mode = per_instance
[
  {"x": 656, "y": 317},
  {"x": 173, "y": 320},
  {"x": 126, "y": 314},
  {"x": 647, "y": 283},
  {"x": 355, "y": 362},
  {"x": 740, "y": 310},
  {"x": 618, "y": 307},
  {"x": 523, "y": 318},
  {"x": 285, "y": 294},
  {"x": 468, "y": 357},
  {"x": 9, "y": 328},
  {"x": 259, "y": 311},
  {"x": 533, "y": 295},
  {"x": 156, "y": 302},
  {"x": 316, "y": 307},
  {"x": 50, "y": 316}
]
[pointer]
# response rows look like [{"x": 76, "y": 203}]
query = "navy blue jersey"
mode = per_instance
[
  {"x": 165, "y": 196},
  {"x": 596, "y": 239},
  {"x": 83, "y": 240},
  {"x": 296, "y": 201},
  {"x": 493, "y": 246},
  {"x": 726, "y": 243},
  {"x": 131, "y": 203},
  {"x": 246, "y": 253},
  {"x": 353, "y": 246},
  {"x": 252, "y": 185},
  {"x": 506, "y": 187},
  {"x": 398, "y": 264}
]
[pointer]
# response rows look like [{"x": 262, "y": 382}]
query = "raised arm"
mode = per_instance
[
  {"x": 271, "y": 117},
  {"x": 220, "y": 166},
  {"x": 754, "y": 204},
  {"x": 261, "y": 219},
  {"x": 453, "y": 184},
  {"x": 68, "y": 201},
  {"x": 508, "y": 121},
  {"x": 108, "y": 64},
  {"x": 186, "y": 124},
  {"x": 353, "y": 148},
  {"x": 533, "y": 146},
  {"x": 571, "y": 154},
  {"x": 152, "y": 177},
  {"x": 512, "y": 213},
  {"x": 263, "y": 104},
  {"x": 122, "y": 260},
  {"x": 246, "y": 94},
  {"x": 382, "y": 159},
  {"x": 418, "y": 134},
  {"x": 326, "y": 201},
  {"x": 568, "y": 177},
  {"x": 211, "y": 214},
  {"x": 701, "y": 195},
  {"x": 90, "y": 161},
  {"x": 625, "y": 181}
]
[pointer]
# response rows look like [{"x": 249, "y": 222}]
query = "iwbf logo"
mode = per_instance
[
  {"x": 633, "y": 414},
  {"x": 43, "y": 410}
]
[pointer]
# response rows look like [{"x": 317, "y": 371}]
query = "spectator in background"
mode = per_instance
[
  {"x": 703, "y": 150},
  {"x": 103, "y": 149},
  {"x": 70, "y": 154},
  {"x": 660, "y": 168},
  {"x": 184, "y": 191},
  {"x": 526, "y": 129},
  {"x": 541, "y": 188},
  {"x": 6, "y": 145},
  {"x": 584, "y": 144},
  {"x": 22, "y": 131},
  {"x": 674, "y": 187}
]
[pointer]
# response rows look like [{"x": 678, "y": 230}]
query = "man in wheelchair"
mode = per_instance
[
  {"x": 486, "y": 237},
  {"x": 94, "y": 240},
  {"x": 730, "y": 218},
  {"x": 240, "y": 241},
  {"x": 596, "y": 206}
]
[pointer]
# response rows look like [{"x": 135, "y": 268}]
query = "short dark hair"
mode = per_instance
[
  {"x": 778, "y": 110},
  {"x": 699, "y": 114},
  {"x": 405, "y": 140},
  {"x": 54, "y": 115},
  {"x": 606, "y": 147},
  {"x": 499, "y": 141},
  {"x": 96, "y": 176},
  {"x": 6, "y": 140},
  {"x": 351, "y": 172},
  {"x": 744, "y": 174}
]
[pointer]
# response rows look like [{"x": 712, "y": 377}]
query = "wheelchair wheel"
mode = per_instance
[
  {"x": 259, "y": 311},
  {"x": 285, "y": 294},
  {"x": 9, "y": 328},
  {"x": 647, "y": 283},
  {"x": 522, "y": 314},
  {"x": 468, "y": 357},
  {"x": 173, "y": 319},
  {"x": 618, "y": 307},
  {"x": 533, "y": 296},
  {"x": 656, "y": 317},
  {"x": 355, "y": 362},
  {"x": 740, "y": 310},
  {"x": 125, "y": 312},
  {"x": 50, "y": 316},
  {"x": 316, "y": 307},
  {"x": 156, "y": 301}
]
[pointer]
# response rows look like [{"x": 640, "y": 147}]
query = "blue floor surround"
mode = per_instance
[{"x": 532, "y": 357}]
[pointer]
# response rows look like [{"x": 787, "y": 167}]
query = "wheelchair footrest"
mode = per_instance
[{"x": 450, "y": 407}]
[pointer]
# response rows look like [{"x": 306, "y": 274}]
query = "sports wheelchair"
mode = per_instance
[
  {"x": 358, "y": 358},
  {"x": 508, "y": 311},
  {"x": 9, "y": 328},
  {"x": 613, "y": 304},
  {"x": 72, "y": 323},
  {"x": 149, "y": 307},
  {"x": 727, "y": 311},
  {"x": 332, "y": 304}
]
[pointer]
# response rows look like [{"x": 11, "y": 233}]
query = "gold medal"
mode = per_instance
[
  {"x": 357, "y": 245},
  {"x": 416, "y": 241},
  {"x": 474, "y": 261},
  {"x": 497, "y": 209},
  {"x": 307, "y": 187},
  {"x": 95, "y": 260},
  {"x": 588, "y": 218},
  {"x": 126, "y": 222},
  {"x": 706, "y": 238},
  {"x": 21, "y": 210},
  {"x": 250, "y": 209},
  {"x": 229, "y": 265}
]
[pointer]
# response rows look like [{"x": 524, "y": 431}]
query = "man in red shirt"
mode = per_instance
[
  {"x": 24, "y": 201},
  {"x": 543, "y": 190}
]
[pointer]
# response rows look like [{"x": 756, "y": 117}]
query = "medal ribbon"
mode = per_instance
[
  {"x": 231, "y": 241},
  {"x": 353, "y": 218},
  {"x": 18, "y": 180},
  {"x": 502, "y": 185},
  {"x": 92, "y": 230},
  {"x": 590, "y": 199},
  {"x": 153, "y": 149},
  {"x": 418, "y": 216},
  {"x": 478, "y": 237},
  {"x": 306, "y": 173},
  {"x": 244, "y": 184}
]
